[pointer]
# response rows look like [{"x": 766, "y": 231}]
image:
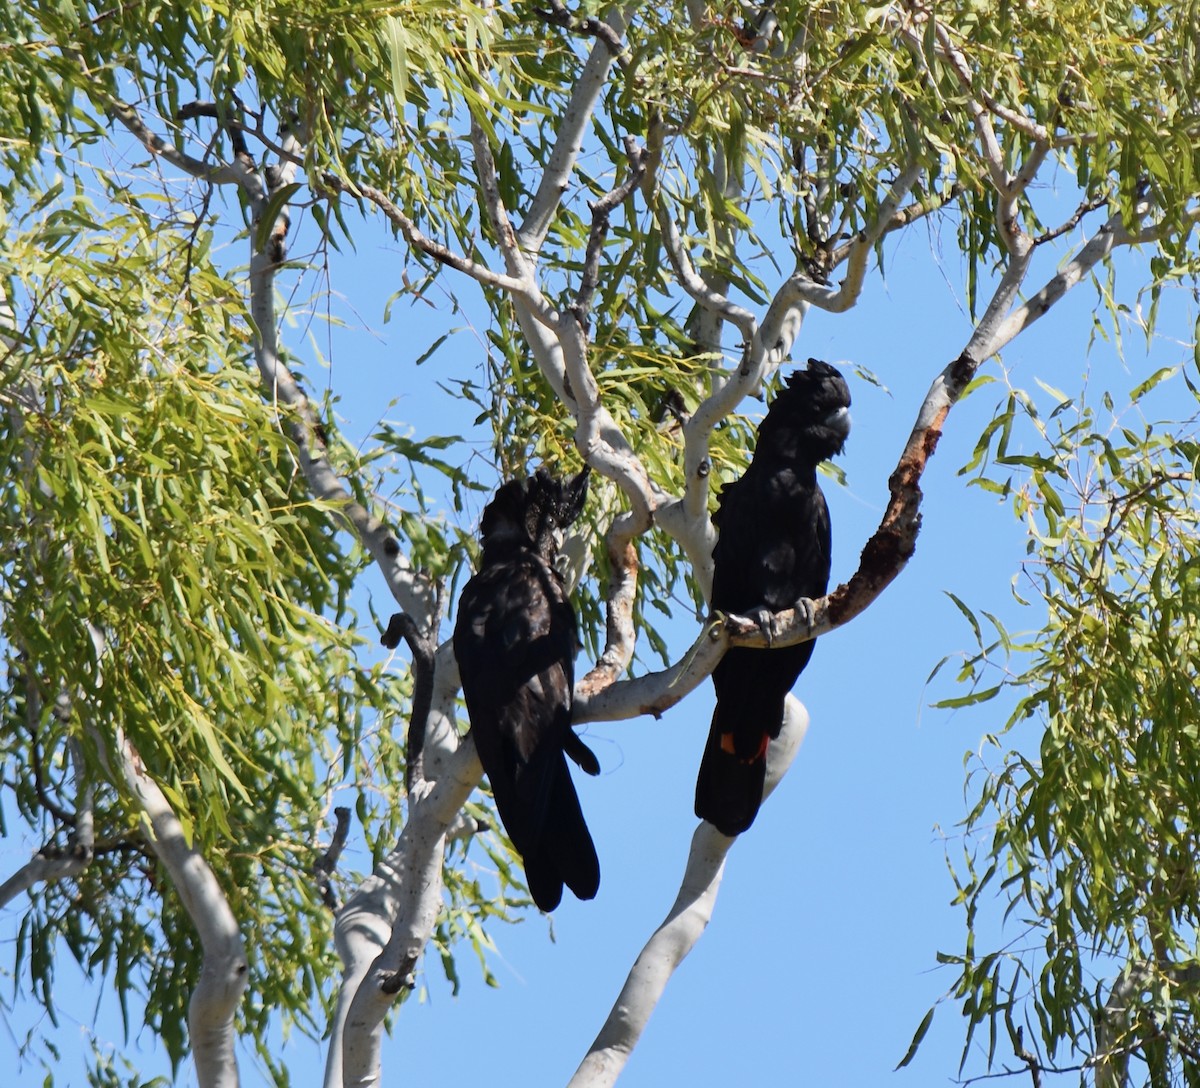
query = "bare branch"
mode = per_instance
[
  {"x": 219, "y": 174},
  {"x": 599, "y": 439},
  {"x": 620, "y": 639},
  {"x": 1066, "y": 228},
  {"x": 979, "y": 347},
  {"x": 681, "y": 929},
  {"x": 656, "y": 692},
  {"x": 597, "y": 435},
  {"x": 993, "y": 156},
  {"x": 1031, "y": 166},
  {"x": 1029, "y": 1058},
  {"x": 420, "y": 853},
  {"x": 573, "y": 124},
  {"x": 440, "y": 253},
  {"x": 691, "y": 281},
  {"x": 224, "y": 973}
]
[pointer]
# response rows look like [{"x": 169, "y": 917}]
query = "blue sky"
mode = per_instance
[{"x": 820, "y": 958}]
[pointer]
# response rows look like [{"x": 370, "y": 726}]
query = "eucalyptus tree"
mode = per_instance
[{"x": 649, "y": 201}]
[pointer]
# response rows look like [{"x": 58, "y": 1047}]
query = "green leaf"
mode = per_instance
[
  {"x": 1157, "y": 378},
  {"x": 918, "y": 1035}
]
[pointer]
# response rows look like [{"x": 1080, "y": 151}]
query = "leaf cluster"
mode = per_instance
[
  {"x": 165, "y": 579},
  {"x": 1085, "y": 829}
]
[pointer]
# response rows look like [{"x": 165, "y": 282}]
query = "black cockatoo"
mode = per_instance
[
  {"x": 773, "y": 553},
  {"x": 515, "y": 641}
]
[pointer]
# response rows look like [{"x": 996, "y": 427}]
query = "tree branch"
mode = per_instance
[
  {"x": 601, "y": 210},
  {"x": 326, "y": 864},
  {"x": 514, "y": 285},
  {"x": 45, "y": 867},
  {"x": 983, "y": 107},
  {"x": 224, "y": 972},
  {"x": 1112, "y": 234},
  {"x": 386, "y": 923},
  {"x": 423, "y": 647},
  {"x": 236, "y": 173},
  {"x": 49, "y": 864},
  {"x": 1070, "y": 224},
  {"x": 656, "y": 692},
  {"x": 902, "y": 217},
  {"x": 232, "y": 124},
  {"x": 693, "y": 283},
  {"x": 518, "y": 265},
  {"x": 573, "y": 124},
  {"x": 681, "y": 929},
  {"x": 557, "y": 15},
  {"x": 411, "y": 589},
  {"x": 802, "y": 290},
  {"x": 605, "y": 447}
]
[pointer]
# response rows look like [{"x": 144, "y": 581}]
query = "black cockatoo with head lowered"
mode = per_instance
[
  {"x": 515, "y": 642},
  {"x": 772, "y": 554}
]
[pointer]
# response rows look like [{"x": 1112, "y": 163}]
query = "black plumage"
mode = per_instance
[
  {"x": 515, "y": 641},
  {"x": 773, "y": 553}
]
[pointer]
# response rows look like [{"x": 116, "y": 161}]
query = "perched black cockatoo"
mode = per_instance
[
  {"x": 515, "y": 641},
  {"x": 773, "y": 553}
]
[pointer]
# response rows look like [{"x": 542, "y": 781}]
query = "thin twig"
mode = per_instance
[
  {"x": 601, "y": 210},
  {"x": 440, "y": 253},
  {"x": 1087, "y": 206}
]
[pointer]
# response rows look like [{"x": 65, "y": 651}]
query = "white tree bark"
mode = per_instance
[
  {"x": 385, "y": 924},
  {"x": 394, "y": 912},
  {"x": 683, "y": 926},
  {"x": 224, "y": 971}
]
